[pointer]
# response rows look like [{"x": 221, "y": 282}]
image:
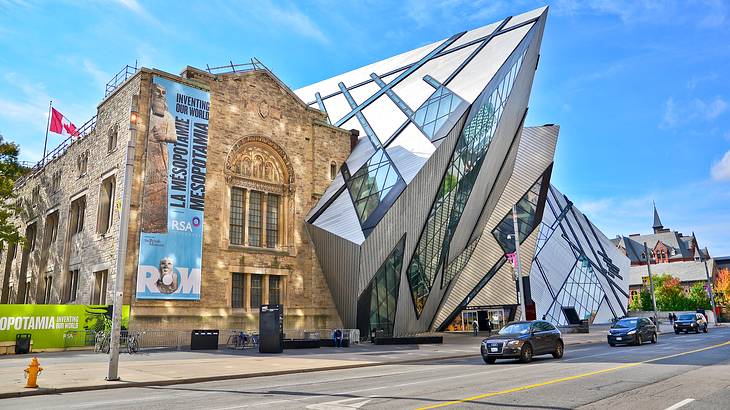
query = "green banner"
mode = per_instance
[{"x": 57, "y": 326}]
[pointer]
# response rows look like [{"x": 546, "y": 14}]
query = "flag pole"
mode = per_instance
[{"x": 48, "y": 125}]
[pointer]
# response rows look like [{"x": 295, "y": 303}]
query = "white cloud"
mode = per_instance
[
  {"x": 696, "y": 80},
  {"x": 721, "y": 169},
  {"x": 136, "y": 8},
  {"x": 100, "y": 77},
  {"x": 293, "y": 19},
  {"x": 29, "y": 105},
  {"x": 685, "y": 112}
]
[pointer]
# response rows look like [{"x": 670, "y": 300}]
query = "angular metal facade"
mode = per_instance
[
  {"x": 434, "y": 168},
  {"x": 576, "y": 266}
]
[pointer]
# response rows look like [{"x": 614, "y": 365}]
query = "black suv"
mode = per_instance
[
  {"x": 523, "y": 340},
  {"x": 690, "y": 321},
  {"x": 632, "y": 330}
]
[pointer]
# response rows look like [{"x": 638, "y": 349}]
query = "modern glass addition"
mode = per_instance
[
  {"x": 460, "y": 177},
  {"x": 379, "y": 300},
  {"x": 371, "y": 183},
  {"x": 581, "y": 291},
  {"x": 526, "y": 219},
  {"x": 458, "y": 264},
  {"x": 435, "y": 111}
]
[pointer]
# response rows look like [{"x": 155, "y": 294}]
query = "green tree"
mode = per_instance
[
  {"x": 10, "y": 171},
  {"x": 642, "y": 301},
  {"x": 698, "y": 298}
]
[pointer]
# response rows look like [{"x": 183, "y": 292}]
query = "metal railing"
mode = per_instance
[
  {"x": 253, "y": 64},
  {"x": 122, "y": 76}
]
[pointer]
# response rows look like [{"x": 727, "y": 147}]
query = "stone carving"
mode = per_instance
[{"x": 261, "y": 161}]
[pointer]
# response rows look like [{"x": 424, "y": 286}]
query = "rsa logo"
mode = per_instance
[{"x": 185, "y": 226}]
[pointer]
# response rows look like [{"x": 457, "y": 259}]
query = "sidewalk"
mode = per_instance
[{"x": 78, "y": 371}]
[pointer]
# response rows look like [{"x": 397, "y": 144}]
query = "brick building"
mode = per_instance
[{"x": 269, "y": 159}]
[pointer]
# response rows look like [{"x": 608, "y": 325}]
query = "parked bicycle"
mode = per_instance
[
  {"x": 133, "y": 342},
  {"x": 101, "y": 344},
  {"x": 242, "y": 340}
]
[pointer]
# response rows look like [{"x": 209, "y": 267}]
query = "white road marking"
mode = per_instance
[
  {"x": 340, "y": 404},
  {"x": 680, "y": 404}
]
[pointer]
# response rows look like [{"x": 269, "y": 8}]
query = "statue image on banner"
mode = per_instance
[{"x": 161, "y": 132}]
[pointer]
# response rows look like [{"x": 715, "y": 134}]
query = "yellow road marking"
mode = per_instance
[{"x": 565, "y": 379}]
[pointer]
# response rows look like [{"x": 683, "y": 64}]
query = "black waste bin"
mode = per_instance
[
  {"x": 204, "y": 340},
  {"x": 22, "y": 343}
]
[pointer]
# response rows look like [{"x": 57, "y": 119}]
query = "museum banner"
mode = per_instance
[
  {"x": 171, "y": 242},
  {"x": 57, "y": 326}
]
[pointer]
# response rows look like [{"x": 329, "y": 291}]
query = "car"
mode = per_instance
[
  {"x": 523, "y": 340},
  {"x": 687, "y": 322},
  {"x": 632, "y": 330}
]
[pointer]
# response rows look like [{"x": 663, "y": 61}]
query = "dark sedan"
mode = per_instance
[
  {"x": 690, "y": 322},
  {"x": 632, "y": 330},
  {"x": 523, "y": 340}
]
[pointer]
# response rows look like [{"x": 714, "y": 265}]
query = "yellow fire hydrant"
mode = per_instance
[{"x": 32, "y": 372}]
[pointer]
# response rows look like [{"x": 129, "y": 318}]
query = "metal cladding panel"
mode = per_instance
[
  {"x": 363, "y": 92},
  {"x": 339, "y": 260},
  {"x": 337, "y": 107},
  {"x": 340, "y": 219},
  {"x": 475, "y": 34},
  {"x": 330, "y": 85},
  {"x": 568, "y": 231},
  {"x": 534, "y": 156},
  {"x": 471, "y": 80},
  {"x": 521, "y": 18},
  {"x": 410, "y": 151},
  {"x": 414, "y": 90},
  {"x": 384, "y": 117},
  {"x": 328, "y": 194}
]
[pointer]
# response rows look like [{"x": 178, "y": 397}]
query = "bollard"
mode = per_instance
[{"x": 32, "y": 372}]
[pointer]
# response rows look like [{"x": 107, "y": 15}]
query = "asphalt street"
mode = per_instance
[{"x": 681, "y": 371}]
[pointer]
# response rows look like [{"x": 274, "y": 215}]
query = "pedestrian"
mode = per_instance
[
  {"x": 671, "y": 318},
  {"x": 489, "y": 328},
  {"x": 475, "y": 326},
  {"x": 337, "y": 337}
]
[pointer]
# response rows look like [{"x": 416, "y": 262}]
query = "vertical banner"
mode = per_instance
[{"x": 171, "y": 243}]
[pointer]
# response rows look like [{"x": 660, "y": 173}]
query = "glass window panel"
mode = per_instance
[
  {"x": 256, "y": 291},
  {"x": 274, "y": 290},
  {"x": 237, "y": 289},
  {"x": 272, "y": 221},
  {"x": 254, "y": 219},
  {"x": 236, "y": 218}
]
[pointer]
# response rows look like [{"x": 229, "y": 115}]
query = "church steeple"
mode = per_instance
[{"x": 657, "y": 222}]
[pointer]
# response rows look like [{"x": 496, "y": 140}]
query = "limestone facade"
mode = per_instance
[{"x": 270, "y": 158}]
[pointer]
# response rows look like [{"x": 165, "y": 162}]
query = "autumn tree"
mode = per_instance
[
  {"x": 10, "y": 171},
  {"x": 722, "y": 288}
]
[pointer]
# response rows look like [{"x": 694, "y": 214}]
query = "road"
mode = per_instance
[{"x": 685, "y": 371}]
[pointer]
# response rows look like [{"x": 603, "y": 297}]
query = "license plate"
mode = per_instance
[
  {"x": 493, "y": 349},
  {"x": 618, "y": 338}
]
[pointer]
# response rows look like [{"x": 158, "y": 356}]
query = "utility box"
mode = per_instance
[
  {"x": 22, "y": 343},
  {"x": 204, "y": 340},
  {"x": 271, "y": 329}
]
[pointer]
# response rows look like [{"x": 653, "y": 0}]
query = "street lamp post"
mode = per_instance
[
  {"x": 518, "y": 270},
  {"x": 651, "y": 282},
  {"x": 116, "y": 330},
  {"x": 709, "y": 287}
]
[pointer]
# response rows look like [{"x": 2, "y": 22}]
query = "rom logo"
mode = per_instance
[{"x": 181, "y": 226}]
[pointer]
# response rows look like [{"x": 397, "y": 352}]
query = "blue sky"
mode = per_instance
[{"x": 639, "y": 88}]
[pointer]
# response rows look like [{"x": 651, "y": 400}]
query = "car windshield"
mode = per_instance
[
  {"x": 516, "y": 328},
  {"x": 626, "y": 323},
  {"x": 686, "y": 316}
]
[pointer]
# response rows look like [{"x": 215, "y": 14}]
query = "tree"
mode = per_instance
[
  {"x": 669, "y": 294},
  {"x": 722, "y": 288},
  {"x": 10, "y": 171},
  {"x": 642, "y": 301},
  {"x": 698, "y": 297}
]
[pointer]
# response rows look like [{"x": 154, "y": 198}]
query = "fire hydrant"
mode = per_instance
[{"x": 32, "y": 372}]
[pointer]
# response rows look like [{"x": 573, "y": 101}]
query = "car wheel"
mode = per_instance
[
  {"x": 653, "y": 338},
  {"x": 612, "y": 344},
  {"x": 697, "y": 329},
  {"x": 639, "y": 341},
  {"x": 559, "y": 350},
  {"x": 526, "y": 354},
  {"x": 676, "y": 332},
  {"x": 705, "y": 329},
  {"x": 489, "y": 360}
]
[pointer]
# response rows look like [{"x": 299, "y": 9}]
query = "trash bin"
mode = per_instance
[
  {"x": 204, "y": 340},
  {"x": 22, "y": 343}
]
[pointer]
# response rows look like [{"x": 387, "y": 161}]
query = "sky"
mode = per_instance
[{"x": 639, "y": 88}]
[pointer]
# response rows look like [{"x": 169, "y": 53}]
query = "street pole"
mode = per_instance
[
  {"x": 122, "y": 249},
  {"x": 518, "y": 271},
  {"x": 651, "y": 282},
  {"x": 709, "y": 287},
  {"x": 48, "y": 126}
]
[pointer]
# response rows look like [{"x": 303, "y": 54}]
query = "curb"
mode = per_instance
[{"x": 169, "y": 382}]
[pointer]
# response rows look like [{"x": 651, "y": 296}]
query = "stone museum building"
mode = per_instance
[{"x": 383, "y": 199}]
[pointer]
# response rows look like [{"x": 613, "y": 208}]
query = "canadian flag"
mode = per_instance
[{"x": 61, "y": 125}]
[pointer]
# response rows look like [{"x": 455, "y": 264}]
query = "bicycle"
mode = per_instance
[
  {"x": 101, "y": 344},
  {"x": 133, "y": 342}
]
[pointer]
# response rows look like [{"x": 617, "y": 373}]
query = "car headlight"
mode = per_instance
[
  {"x": 693, "y": 324},
  {"x": 631, "y": 332},
  {"x": 514, "y": 343}
]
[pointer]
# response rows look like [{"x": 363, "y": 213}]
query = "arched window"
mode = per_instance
[
  {"x": 333, "y": 170},
  {"x": 258, "y": 176}
]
